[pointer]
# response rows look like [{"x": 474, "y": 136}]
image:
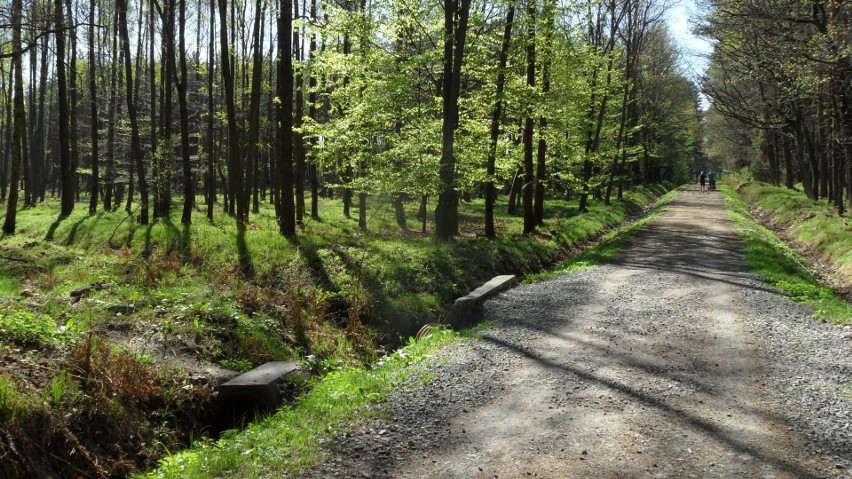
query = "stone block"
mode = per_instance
[
  {"x": 459, "y": 314},
  {"x": 259, "y": 387}
]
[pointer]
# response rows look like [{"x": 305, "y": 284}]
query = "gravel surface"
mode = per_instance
[{"x": 673, "y": 361}]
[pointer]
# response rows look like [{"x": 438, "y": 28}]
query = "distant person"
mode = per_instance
[
  {"x": 711, "y": 177},
  {"x": 703, "y": 180}
]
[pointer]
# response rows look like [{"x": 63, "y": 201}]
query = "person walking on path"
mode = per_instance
[
  {"x": 711, "y": 177},
  {"x": 703, "y": 180}
]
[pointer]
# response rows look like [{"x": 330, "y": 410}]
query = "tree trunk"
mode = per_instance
[
  {"x": 19, "y": 129},
  {"x": 34, "y": 142},
  {"x": 362, "y": 200},
  {"x": 163, "y": 156},
  {"x": 312, "y": 112},
  {"x": 789, "y": 173},
  {"x": 211, "y": 113},
  {"x": 254, "y": 102},
  {"x": 541, "y": 156},
  {"x": 422, "y": 214},
  {"x": 72, "y": 98},
  {"x": 6, "y": 153},
  {"x": 37, "y": 154},
  {"x": 66, "y": 171},
  {"x": 235, "y": 167},
  {"x": 496, "y": 114},
  {"x": 284, "y": 137},
  {"x": 822, "y": 149},
  {"x": 804, "y": 170},
  {"x": 446, "y": 212},
  {"x": 399, "y": 211},
  {"x": 135, "y": 143},
  {"x": 93, "y": 105},
  {"x": 529, "y": 173},
  {"x": 188, "y": 181},
  {"x": 298, "y": 137},
  {"x": 620, "y": 140},
  {"x": 115, "y": 79}
]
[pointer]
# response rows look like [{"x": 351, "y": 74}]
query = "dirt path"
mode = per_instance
[{"x": 644, "y": 368}]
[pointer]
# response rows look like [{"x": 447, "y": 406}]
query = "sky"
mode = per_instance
[{"x": 681, "y": 19}]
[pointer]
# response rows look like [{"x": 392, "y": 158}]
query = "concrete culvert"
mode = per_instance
[{"x": 241, "y": 399}]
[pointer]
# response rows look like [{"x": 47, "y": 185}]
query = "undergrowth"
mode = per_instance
[{"x": 781, "y": 266}]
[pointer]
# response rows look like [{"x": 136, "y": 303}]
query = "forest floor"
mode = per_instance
[{"x": 671, "y": 361}]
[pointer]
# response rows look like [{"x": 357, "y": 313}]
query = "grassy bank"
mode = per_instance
[
  {"x": 813, "y": 225},
  {"x": 92, "y": 306}
]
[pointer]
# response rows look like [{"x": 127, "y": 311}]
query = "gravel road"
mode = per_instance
[{"x": 674, "y": 361}]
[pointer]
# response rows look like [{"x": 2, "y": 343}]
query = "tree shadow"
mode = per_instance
[
  {"x": 186, "y": 243},
  {"x": 131, "y": 233},
  {"x": 719, "y": 433},
  {"x": 146, "y": 250},
  {"x": 173, "y": 235},
  {"x": 245, "y": 261},
  {"x": 72, "y": 235},
  {"x": 51, "y": 232},
  {"x": 310, "y": 253}
]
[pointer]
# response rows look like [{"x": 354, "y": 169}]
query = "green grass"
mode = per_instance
[
  {"x": 29, "y": 329},
  {"x": 396, "y": 280},
  {"x": 781, "y": 266},
  {"x": 814, "y": 225},
  {"x": 16, "y": 405},
  {"x": 291, "y": 440}
]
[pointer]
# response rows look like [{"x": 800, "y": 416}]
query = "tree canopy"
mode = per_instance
[{"x": 780, "y": 81}]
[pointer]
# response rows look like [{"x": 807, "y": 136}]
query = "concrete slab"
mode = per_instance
[
  {"x": 258, "y": 386},
  {"x": 459, "y": 313}
]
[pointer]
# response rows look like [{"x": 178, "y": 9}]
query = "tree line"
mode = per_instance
[
  {"x": 142, "y": 103},
  {"x": 780, "y": 80}
]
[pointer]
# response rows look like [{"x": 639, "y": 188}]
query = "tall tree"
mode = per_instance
[
  {"x": 284, "y": 129},
  {"x": 74, "y": 147},
  {"x": 66, "y": 167},
  {"x": 135, "y": 143},
  {"x": 163, "y": 156},
  {"x": 298, "y": 137},
  {"x": 37, "y": 153},
  {"x": 182, "y": 84},
  {"x": 7, "y": 130},
  {"x": 19, "y": 128},
  {"x": 210, "y": 183},
  {"x": 546, "y": 54},
  {"x": 529, "y": 173},
  {"x": 253, "y": 141},
  {"x": 456, "y": 14},
  {"x": 235, "y": 166},
  {"x": 93, "y": 106},
  {"x": 312, "y": 113},
  {"x": 114, "y": 82},
  {"x": 497, "y": 113}
]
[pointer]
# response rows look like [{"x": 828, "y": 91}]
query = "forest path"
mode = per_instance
[{"x": 647, "y": 367}]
